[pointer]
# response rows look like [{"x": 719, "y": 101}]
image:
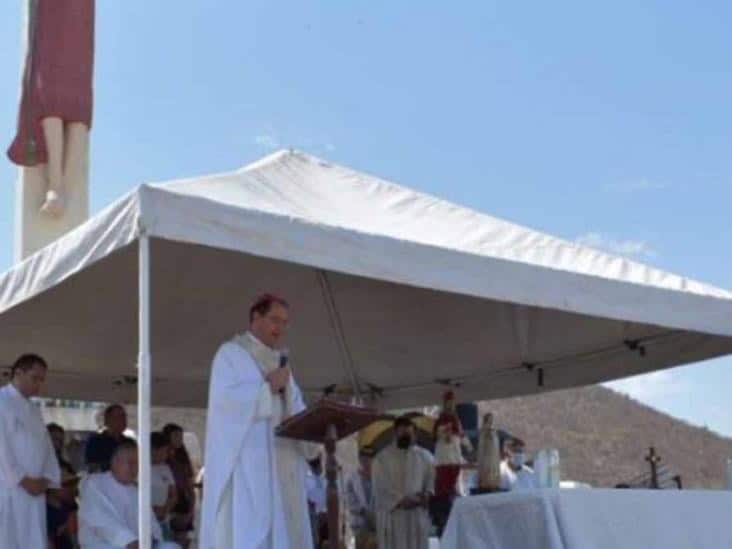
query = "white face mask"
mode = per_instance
[{"x": 517, "y": 460}]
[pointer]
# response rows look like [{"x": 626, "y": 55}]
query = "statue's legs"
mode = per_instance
[
  {"x": 53, "y": 132},
  {"x": 76, "y": 147}
]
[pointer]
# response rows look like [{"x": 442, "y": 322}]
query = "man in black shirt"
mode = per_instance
[{"x": 101, "y": 446}]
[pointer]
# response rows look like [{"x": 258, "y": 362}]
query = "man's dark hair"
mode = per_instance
[
  {"x": 403, "y": 421},
  {"x": 111, "y": 408},
  {"x": 171, "y": 428},
  {"x": 26, "y": 362},
  {"x": 55, "y": 428},
  {"x": 159, "y": 440},
  {"x": 263, "y": 304},
  {"x": 124, "y": 445},
  {"x": 180, "y": 455}
]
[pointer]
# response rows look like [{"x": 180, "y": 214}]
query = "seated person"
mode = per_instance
[
  {"x": 58, "y": 439},
  {"x": 162, "y": 481},
  {"x": 100, "y": 446},
  {"x": 515, "y": 476},
  {"x": 61, "y": 510},
  {"x": 108, "y": 506}
]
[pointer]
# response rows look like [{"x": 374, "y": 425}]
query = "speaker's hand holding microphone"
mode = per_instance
[{"x": 279, "y": 378}]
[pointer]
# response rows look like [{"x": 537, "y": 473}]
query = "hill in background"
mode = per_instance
[{"x": 603, "y": 436}]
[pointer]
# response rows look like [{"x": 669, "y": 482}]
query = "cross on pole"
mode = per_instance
[{"x": 653, "y": 460}]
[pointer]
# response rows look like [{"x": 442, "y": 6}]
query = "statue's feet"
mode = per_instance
[{"x": 54, "y": 205}]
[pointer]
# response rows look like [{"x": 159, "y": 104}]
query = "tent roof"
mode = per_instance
[{"x": 392, "y": 283}]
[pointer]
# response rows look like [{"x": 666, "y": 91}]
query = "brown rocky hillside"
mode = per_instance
[{"x": 603, "y": 436}]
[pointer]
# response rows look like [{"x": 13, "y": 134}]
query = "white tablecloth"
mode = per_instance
[{"x": 592, "y": 519}]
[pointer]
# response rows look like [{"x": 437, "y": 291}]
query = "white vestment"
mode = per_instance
[
  {"x": 108, "y": 516},
  {"x": 25, "y": 451},
  {"x": 449, "y": 453},
  {"x": 255, "y": 482},
  {"x": 161, "y": 481},
  {"x": 359, "y": 500},
  {"x": 316, "y": 492},
  {"x": 398, "y": 473},
  {"x": 518, "y": 481}
]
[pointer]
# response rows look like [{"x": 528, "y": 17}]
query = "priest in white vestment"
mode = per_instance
[
  {"x": 404, "y": 478},
  {"x": 108, "y": 509},
  {"x": 28, "y": 464},
  {"x": 255, "y": 495}
]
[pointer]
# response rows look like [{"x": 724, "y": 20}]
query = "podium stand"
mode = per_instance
[{"x": 326, "y": 423}]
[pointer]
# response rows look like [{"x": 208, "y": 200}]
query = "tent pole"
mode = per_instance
[{"x": 143, "y": 396}]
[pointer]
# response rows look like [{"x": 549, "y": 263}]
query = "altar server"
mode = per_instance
[{"x": 28, "y": 464}]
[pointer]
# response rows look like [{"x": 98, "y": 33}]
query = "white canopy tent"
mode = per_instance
[{"x": 394, "y": 294}]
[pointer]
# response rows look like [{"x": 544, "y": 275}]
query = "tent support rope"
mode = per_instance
[{"x": 337, "y": 325}]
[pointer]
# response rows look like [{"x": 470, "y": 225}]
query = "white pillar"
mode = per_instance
[
  {"x": 34, "y": 230},
  {"x": 143, "y": 395}
]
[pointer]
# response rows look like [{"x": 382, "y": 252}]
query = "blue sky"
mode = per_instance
[{"x": 605, "y": 123}]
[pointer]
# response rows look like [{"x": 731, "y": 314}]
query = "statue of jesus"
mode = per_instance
[{"x": 56, "y": 96}]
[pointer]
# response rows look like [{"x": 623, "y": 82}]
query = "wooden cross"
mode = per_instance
[{"x": 653, "y": 460}]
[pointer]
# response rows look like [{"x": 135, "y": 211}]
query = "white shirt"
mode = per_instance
[
  {"x": 161, "y": 479},
  {"x": 518, "y": 481},
  {"x": 316, "y": 490}
]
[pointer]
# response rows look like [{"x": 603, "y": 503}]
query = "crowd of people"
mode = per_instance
[
  {"x": 260, "y": 491},
  {"x": 46, "y": 502},
  {"x": 404, "y": 477}
]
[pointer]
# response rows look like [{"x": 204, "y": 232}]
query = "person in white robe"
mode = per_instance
[
  {"x": 404, "y": 478},
  {"x": 515, "y": 475},
  {"x": 108, "y": 509},
  {"x": 360, "y": 502},
  {"x": 28, "y": 464},
  {"x": 255, "y": 496}
]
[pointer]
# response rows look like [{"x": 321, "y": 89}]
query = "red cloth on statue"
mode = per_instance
[
  {"x": 446, "y": 477},
  {"x": 59, "y": 84}
]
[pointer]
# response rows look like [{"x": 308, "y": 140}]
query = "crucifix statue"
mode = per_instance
[
  {"x": 653, "y": 460},
  {"x": 51, "y": 143}
]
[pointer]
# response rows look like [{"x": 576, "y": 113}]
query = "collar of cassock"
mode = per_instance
[
  {"x": 266, "y": 357},
  {"x": 17, "y": 394}
]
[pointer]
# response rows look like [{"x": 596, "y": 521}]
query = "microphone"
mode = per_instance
[{"x": 284, "y": 359}]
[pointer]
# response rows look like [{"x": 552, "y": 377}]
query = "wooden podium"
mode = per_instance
[{"x": 326, "y": 423}]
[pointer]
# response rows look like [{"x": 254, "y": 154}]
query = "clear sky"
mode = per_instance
[{"x": 608, "y": 123}]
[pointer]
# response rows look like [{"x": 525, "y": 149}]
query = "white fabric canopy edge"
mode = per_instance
[
  {"x": 165, "y": 212},
  {"x": 110, "y": 230},
  {"x": 201, "y": 221}
]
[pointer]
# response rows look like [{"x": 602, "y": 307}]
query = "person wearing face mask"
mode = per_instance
[
  {"x": 404, "y": 479},
  {"x": 515, "y": 475}
]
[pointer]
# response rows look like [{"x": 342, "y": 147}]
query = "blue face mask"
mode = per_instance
[{"x": 518, "y": 459}]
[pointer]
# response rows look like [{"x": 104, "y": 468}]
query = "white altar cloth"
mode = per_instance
[{"x": 592, "y": 519}]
